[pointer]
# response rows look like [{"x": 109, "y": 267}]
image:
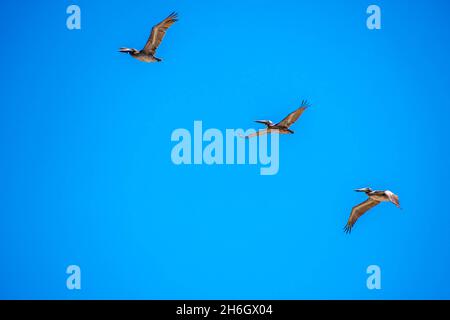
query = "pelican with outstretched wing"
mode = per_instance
[
  {"x": 375, "y": 198},
  {"x": 147, "y": 54},
  {"x": 282, "y": 127}
]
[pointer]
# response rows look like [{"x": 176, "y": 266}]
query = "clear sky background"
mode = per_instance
[{"x": 86, "y": 176}]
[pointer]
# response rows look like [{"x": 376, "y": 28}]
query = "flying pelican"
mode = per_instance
[
  {"x": 281, "y": 127},
  {"x": 375, "y": 197},
  {"x": 158, "y": 32}
]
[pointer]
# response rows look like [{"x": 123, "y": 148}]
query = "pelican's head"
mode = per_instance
[
  {"x": 365, "y": 190},
  {"x": 266, "y": 122},
  {"x": 129, "y": 50}
]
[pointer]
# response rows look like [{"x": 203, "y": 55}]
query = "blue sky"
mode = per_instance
[{"x": 87, "y": 179}]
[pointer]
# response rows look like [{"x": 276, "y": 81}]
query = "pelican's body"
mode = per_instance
[
  {"x": 375, "y": 197},
  {"x": 270, "y": 126},
  {"x": 282, "y": 127},
  {"x": 380, "y": 196},
  {"x": 144, "y": 57},
  {"x": 147, "y": 54}
]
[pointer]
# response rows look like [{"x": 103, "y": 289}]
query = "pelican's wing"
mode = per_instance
[
  {"x": 293, "y": 116},
  {"x": 158, "y": 33},
  {"x": 393, "y": 198},
  {"x": 263, "y": 132},
  {"x": 358, "y": 211},
  {"x": 257, "y": 133}
]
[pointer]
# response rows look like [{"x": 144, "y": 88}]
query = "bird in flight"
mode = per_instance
[
  {"x": 281, "y": 127},
  {"x": 375, "y": 197},
  {"x": 147, "y": 54}
]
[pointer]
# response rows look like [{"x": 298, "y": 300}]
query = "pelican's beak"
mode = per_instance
[
  {"x": 265, "y": 122},
  {"x": 360, "y": 190}
]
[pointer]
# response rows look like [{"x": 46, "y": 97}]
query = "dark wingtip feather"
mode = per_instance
[
  {"x": 347, "y": 229},
  {"x": 305, "y": 104},
  {"x": 174, "y": 16}
]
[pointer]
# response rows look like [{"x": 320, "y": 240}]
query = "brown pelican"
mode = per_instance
[
  {"x": 158, "y": 32},
  {"x": 281, "y": 127},
  {"x": 375, "y": 197}
]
